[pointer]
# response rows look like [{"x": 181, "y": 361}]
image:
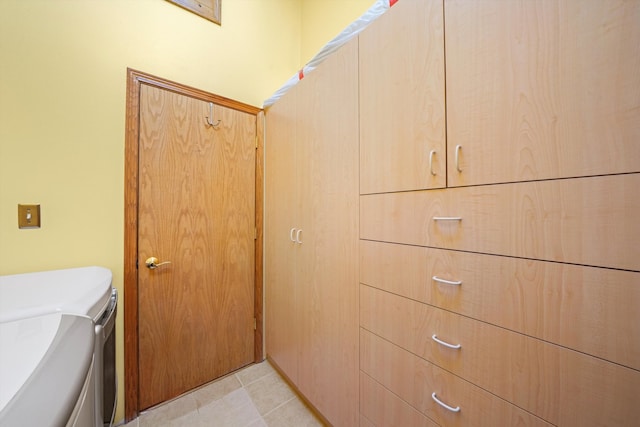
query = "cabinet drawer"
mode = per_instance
[
  {"x": 588, "y": 221},
  {"x": 382, "y": 408},
  {"x": 537, "y": 376},
  {"x": 414, "y": 380},
  {"x": 593, "y": 310},
  {"x": 364, "y": 422}
]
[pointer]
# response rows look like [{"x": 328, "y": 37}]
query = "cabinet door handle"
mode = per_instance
[
  {"x": 444, "y": 405},
  {"x": 431, "y": 154},
  {"x": 298, "y": 233},
  {"x": 458, "y": 148},
  {"x": 293, "y": 239},
  {"x": 446, "y": 344},
  {"x": 447, "y": 282},
  {"x": 447, "y": 218}
]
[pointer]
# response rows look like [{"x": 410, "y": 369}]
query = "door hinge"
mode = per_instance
[
  {"x": 255, "y": 233},
  {"x": 255, "y": 324},
  {"x": 256, "y": 142}
]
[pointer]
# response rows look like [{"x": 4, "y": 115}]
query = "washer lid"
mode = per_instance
[
  {"x": 83, "y": 291},
  {"x": 44, "y": 363}
]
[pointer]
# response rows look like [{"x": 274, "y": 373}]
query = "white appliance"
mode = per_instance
[
  {"x": 84, "y": 291},
  {"x": 46, "y": 371}
]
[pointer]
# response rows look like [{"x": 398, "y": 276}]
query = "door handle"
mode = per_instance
[
  {"x": 152, "y": 263},
  {"x": 458, "y": 148},
  {"x": 431, "y": 154}
]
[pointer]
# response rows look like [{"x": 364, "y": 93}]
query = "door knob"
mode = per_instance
[{"x": 152, "y": 263}]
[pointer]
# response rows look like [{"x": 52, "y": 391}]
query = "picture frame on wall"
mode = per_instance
[{"x": 208, "y": 9}]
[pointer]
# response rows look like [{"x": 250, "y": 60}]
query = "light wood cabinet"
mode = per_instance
[
  {"x": 526, "y": 254},
  {"x": 586, "y": 221},
  {"x": 402, "y": 117},
  {"x": 502, "y": 216},
  {"x": 415, "y": 380},
  {"x": 541, "y": 89},
  {"x": 380, "y": 407},
  {"x": 534, "y": 90},
  {"x": 526, "y": 371},
  {"x": 282, "y": 194},
  {"x": 592, "y": 310},
  {"x": 311, "y": 236}
]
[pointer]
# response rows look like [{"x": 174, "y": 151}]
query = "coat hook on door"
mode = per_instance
[{"x": 209, "y": 118}]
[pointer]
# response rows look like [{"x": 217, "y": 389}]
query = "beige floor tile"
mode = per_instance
[
  {"x": 258, "y": 423},
  {"x": 269, "y": 392},
  {"x": 216, "y": 390},
  {"x": 294, "y": 413},
  {"x": 163, "y": 415},
  {"x": 239, "y": 400},
  {"x": 254, "y": 372},
  {"x": 234, "y": 410},
  {"x": 192, "y": 419},
  {"x": 133, "y": 423}
]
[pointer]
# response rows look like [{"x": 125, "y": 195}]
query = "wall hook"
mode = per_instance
[{"x": 209, "y": 118}]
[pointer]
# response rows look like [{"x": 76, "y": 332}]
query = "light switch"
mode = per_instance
[{"x": 28, "y": 216}]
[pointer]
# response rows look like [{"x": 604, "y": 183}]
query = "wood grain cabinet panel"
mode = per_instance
[
  {"x": 312, "y": 317},
  {"x": 281, "y": 214},
  {"x": 402, "y": 117},
  {"x": 587, "y": 221},
  {"x": 520, "y": 242},
  {"x": 592, "y": 310},
  {"x": 382, "y": 408},
  {"x": 541, "y": 89},
  {"x": 528, "y": 372},
  {"x": 414, "y": 380}
]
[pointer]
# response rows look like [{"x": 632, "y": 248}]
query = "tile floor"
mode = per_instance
[{"x": 255, "y": 396}]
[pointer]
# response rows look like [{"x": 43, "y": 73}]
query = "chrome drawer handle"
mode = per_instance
[
  {"x": 448, "y": 282},
  {"x": 458, "y": 148},
  {"x": 446, "y": 344},
  {"x": 444, "y": 405},
  {"x": 431, "y": 154},
  {"x": 447, "y": 218},
  {"x": 298, "y": 236},
  {"x": 293, "y": 239}
]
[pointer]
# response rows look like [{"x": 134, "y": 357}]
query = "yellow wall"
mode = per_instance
[
  {"x": 324, "y": 19},
  {"x": 62, "y": 106}
]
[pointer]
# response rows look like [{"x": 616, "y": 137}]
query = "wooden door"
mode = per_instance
[
  {"x": 402, "y": 111},
  {"x": 327, "y": 160},
  {"x": 281, "y": 200},
  {"x": 542, "y": 89},
  {"x": 196, "y": 210}
]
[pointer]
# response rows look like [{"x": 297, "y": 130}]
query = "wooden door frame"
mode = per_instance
[{"x": 132, "y": 129}]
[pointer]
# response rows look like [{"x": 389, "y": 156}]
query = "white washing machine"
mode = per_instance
[
  {"x": 46, "y": 371},
  {"x": 84, "y": 291}
]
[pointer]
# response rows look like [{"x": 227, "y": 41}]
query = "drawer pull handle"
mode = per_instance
[
  {"x": 446, "y": 344},
  {"x": 291, "y": 232},
  {"x": 448, "y": 282},
  {"x": 431, "y": 154},
  {"x": 298, "y": 236},
  {"x": 447, "y": 218},
  {"x": 444, "y": 405},
  {"x": 458, "y": 147}
]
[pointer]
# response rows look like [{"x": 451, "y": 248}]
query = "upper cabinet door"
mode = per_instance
[
  {"x": 541, "y": 89},
  {"x": 402, "y": 113}
]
